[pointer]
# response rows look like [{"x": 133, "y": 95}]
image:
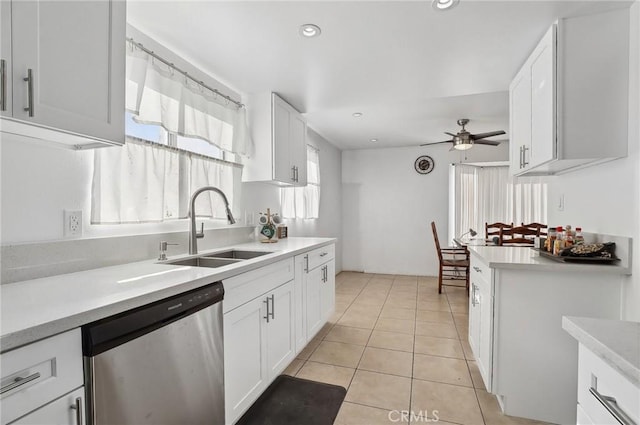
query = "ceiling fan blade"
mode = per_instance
[
  {"x": 487, "y": 142},
  {"x": 485, "y": 135},
  {"x": 450, "y": 134},
  {"x": 436, "y": 143}
]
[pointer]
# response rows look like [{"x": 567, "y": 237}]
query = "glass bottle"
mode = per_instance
[
  {"x": 568, "y": 236},
  {"x": 551, "y": 237},
  {"x": 558, "y": 244},
  {"x": 578, "y": 239}
]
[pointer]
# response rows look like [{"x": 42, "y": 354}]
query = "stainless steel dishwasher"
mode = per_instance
[{"x": 158, "y": 364}]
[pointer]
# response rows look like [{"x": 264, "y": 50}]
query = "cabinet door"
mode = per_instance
[
  {"x": 245, "y": 369},
  {"x": 474, "y": 314},
  {"x": 313, "y": 301},
  {"x": 5, "y": 57},
  {"x": 299, "y": 307},
  {"x": 298, "y": 147},
  {"x": 63, "y": 411},
  {"x": 543, "y": 100},
  {"x": 280, "y": 331},
  {"x": 520, "y": 119},
  {"x": 328, "y": 291},
  {"x": 75, "y": 51},
  {"x": 282, "y": 168},
  {"x": 485, "y": 349}
]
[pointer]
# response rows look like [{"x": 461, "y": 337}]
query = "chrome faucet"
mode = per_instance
[{"x": 194, "y": 235}]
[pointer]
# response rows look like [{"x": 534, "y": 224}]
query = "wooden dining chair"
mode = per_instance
[
  {"x": 537, "y": 227},
  {"x": 517, "y": 235},
  {"x": 493, "y": 229},
  {"x": 454, "y": 263}
]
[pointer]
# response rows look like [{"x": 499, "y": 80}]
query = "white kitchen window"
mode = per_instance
[
  {"x": 179, "y": 138},
  {"x": 488, "y": 194},
  {"x": 304, "y": 202}
]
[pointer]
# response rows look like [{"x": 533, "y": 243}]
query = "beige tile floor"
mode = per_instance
[{"x": 397, "y": 345}]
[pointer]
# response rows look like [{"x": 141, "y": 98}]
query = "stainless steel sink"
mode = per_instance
[
  {"x": 203, "y": 262},
  {"x": 237, "y": 254}
]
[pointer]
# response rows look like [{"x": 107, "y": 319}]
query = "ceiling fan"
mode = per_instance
[{"x": 465, "y": 140}]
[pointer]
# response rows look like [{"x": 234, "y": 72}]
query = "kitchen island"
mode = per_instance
[{"x": 516, "y": 303}]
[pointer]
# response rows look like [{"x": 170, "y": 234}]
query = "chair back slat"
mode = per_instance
[
  {"x": 537, "y": 227},
  {"x": 493, "y": 229},
  {"x": 517, "y": 235}
]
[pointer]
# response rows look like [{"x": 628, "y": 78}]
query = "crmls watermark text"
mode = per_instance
[{"x": 413, "y": 416}]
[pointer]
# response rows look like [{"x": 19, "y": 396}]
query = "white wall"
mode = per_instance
[
  {"x": 260, "y": 196},
  {"x": 387, "y": 207},
  {"x": 606, "y": 198}
]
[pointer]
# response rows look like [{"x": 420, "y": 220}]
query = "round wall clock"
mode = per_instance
[{"x": 424, "y": 164}]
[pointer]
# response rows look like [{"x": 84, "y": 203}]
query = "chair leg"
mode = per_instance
[{"x": 440, "y": 280}]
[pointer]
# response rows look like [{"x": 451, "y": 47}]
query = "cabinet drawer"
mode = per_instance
[
  {"x": 62, "y": 411},
  {"x": 593, "y": 371},
  {"x": 243, "y": 288},
  {"x": 480, "y": 269},
  {"x": 321, "y": 255},
  {"x": 49, "y": 369}
]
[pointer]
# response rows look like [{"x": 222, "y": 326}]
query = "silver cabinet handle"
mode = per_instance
[
  {"x": 266, "y": 301},
  {"x": 29, "y": 80},
  {"x": 612, "y": 407},
  {"x": 323, "y": 254},
  {"x": 78, "y": 408},
  {"x": 273, "y": 307},
  {"x": 473, "y": 295},
  {"x": 521, "y": 161},
  {"x": 18, "y": 382},
  {"x": 296, "y": 169},
  {"x": 3, "y": 87},
  {"x": 293, "y": 173},
  {"x": 524, "y": 156},
  {"x": 306, "y": 267},
  {"x": 478, "y": 269}
]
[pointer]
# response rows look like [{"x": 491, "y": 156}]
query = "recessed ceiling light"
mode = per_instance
[
  {"x": 310, "y": 30},
  {"x": 444, "y": 4},
  {"x": 374, "y": 140},
  {"x": 357, "y": 114}
]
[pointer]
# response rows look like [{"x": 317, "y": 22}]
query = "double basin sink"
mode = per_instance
[{"x": 217, "y": 259}]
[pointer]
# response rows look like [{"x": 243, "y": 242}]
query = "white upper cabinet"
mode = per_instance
[
  {"x": 68, "y": 68},
  {"x": 279, "y": 135},
  {"x": 6, "y": 106},
  {"x": 569, "y": 102}
]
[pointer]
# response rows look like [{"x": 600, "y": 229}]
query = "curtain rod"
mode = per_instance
[
  {"x": 182, "y": 151},
  {"x": 186, "y": 74}
]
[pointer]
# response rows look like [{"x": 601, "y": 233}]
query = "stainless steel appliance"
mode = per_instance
[{"x": 158, "y": 364}]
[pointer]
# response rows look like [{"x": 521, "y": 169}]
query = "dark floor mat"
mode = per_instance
[{"x": 295, "y": 401}]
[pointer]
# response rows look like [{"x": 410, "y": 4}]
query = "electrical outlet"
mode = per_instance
[{"x": 72, "y": 223}]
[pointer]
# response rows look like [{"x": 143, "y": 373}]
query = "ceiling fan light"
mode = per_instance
[
  {"x": 463, "y": 146},
  {"x": 441, "y": 5}
]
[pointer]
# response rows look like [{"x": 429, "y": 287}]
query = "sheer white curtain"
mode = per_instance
[
  {"x": 146, "y": 182},
  {"x": 156, "y": 94},
  {"x": 304, "y": 202},
  {"x": 490, "y": 194}
]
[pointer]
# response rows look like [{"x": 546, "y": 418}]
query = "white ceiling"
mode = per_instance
[{"x": 410, "y": 70}]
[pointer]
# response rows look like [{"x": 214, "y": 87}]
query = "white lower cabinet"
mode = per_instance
[
  {"x": 259, "y": 344},
  {"x": 604, "y": 393},
  {"x": 318, "y": 279},
  {"x": 270, "y": 314},
  {"x": 38, "y": 380},
  {"x": 67, "y": 410},
  {"x": 481, "y": 319}
]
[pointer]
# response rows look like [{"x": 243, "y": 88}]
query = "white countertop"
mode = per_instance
[
  {"x": 35, "y": 309},
  {"x": 525, "y": 258},
  {"x": 615, "y": 341}
]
